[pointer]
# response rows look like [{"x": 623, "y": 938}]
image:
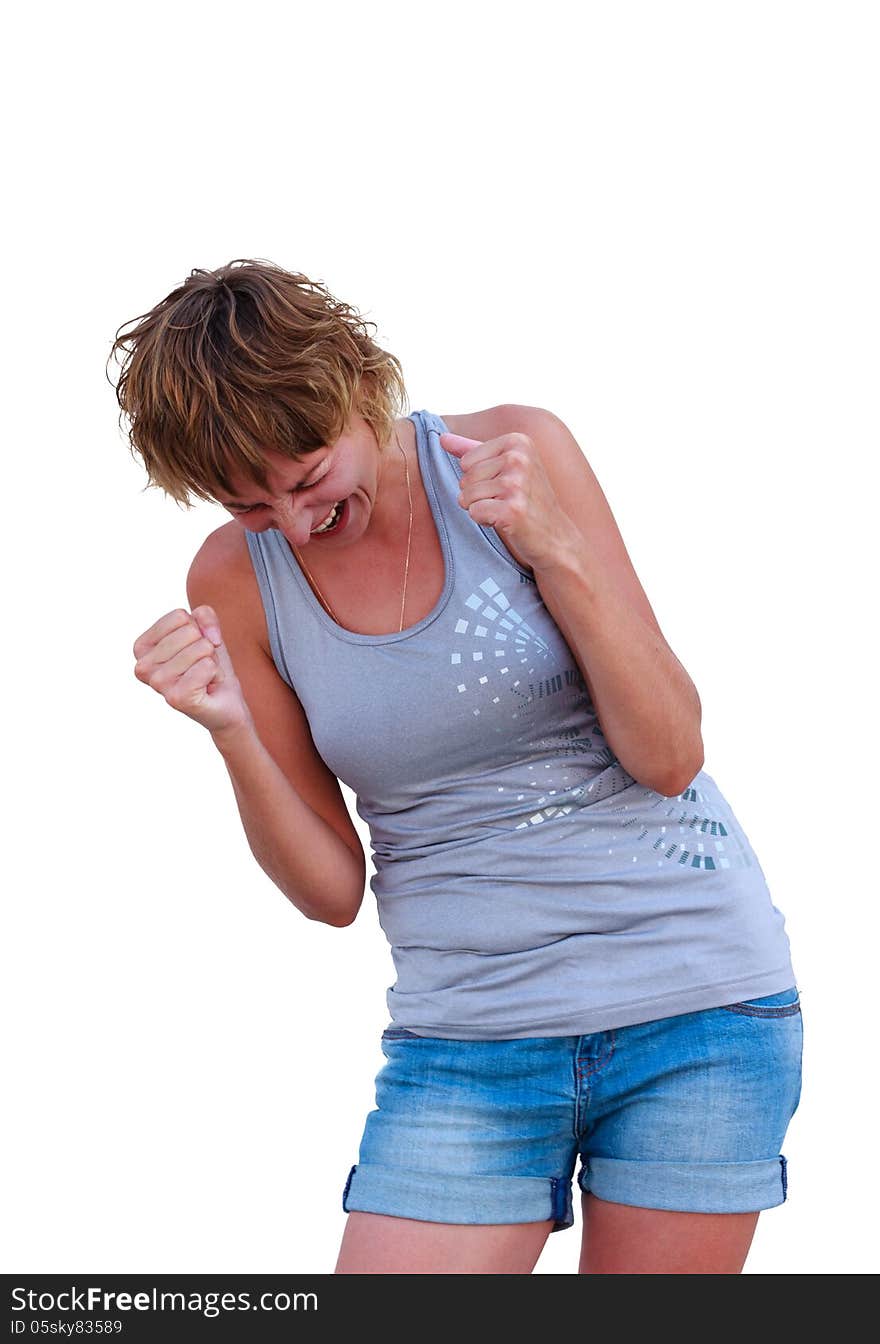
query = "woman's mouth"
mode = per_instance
[{"x": 335, "y": 519}]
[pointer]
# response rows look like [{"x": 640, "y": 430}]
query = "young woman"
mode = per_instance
[{"x": 440, "y": 611}]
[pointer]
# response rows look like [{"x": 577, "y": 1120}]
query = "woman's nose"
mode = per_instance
[{"x": 292, "y": 519}]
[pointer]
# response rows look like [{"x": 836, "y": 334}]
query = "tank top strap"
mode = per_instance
[{"x": 469, "y": 538}]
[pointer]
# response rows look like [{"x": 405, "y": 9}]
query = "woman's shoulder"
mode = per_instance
[
  {"x": 479, "y": 424},
  {"x": 224, "y": 551},
  {"x": 222, "y": 565}
]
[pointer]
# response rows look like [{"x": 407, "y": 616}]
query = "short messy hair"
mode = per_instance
[{"x": 244, "y": 358}]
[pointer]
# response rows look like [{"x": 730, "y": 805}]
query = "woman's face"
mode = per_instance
[{"x": 302, "y": 494}]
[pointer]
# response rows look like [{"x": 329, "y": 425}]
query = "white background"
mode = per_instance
[{"x": 658, "y": 220}]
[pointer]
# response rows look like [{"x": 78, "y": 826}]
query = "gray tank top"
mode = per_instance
[{"x": 527, "y": 884}]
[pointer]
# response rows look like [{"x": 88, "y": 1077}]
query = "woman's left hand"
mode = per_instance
[{"x": 504, "y": 485}]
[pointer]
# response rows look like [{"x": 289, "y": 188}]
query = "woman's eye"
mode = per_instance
[{"x": 296, "y": 490}]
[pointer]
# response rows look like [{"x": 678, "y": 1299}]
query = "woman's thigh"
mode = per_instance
[
  {"x": 377, "y": 1243},
  {"x": 682, "y": 1123},
  {"x": 468, "y": 1153},
  {"x": 688, "y": 1114},
  {"x": 625, "y": 1239}
]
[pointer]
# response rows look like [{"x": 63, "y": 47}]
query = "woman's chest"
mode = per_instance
[{"x": 488, "y": 680}]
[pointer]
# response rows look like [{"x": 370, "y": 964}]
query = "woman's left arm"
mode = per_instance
[{"x": 533, "y": 484}]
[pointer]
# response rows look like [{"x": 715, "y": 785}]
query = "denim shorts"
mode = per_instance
[{"x": 686, "y": 1112}]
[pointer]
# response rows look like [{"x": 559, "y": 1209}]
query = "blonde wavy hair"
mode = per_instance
[{"x": 241, "y": 359}]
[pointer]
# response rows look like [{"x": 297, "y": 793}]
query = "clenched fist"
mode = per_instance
[{"x": 183, "y": 657}]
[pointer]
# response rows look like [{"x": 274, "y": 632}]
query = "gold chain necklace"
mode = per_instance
[{"x": 408, "y": 541}]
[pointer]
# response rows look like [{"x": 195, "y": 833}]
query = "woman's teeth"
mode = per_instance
[{"x": 330, "y": 520}]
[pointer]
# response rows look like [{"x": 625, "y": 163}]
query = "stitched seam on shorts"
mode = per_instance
[
  {"x": 589, "y": 1066},
  {"x": 765, "y": 1010}
]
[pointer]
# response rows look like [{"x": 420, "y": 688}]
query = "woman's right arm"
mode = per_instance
[{"x": 289, "y": 801}]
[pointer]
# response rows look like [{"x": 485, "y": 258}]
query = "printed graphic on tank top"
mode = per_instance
[{"x": 527, "y": 884}]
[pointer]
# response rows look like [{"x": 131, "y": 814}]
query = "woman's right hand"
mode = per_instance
[{"x": 183, "y": 657}]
